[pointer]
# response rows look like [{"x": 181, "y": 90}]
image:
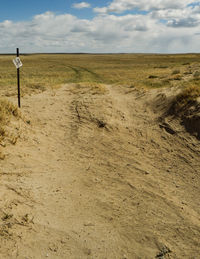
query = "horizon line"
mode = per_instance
[{"x": 100, "y": 53}]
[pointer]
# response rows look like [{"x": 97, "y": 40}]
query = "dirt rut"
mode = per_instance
[{"x": 97, "y": 174}]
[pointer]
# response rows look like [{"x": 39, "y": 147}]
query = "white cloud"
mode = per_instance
[
  {"x": 81, "y": 5},
  {"x": 161, "y": 30},
  {"x": 186, "y": 17},
  {"x": 118, "y": 6}
]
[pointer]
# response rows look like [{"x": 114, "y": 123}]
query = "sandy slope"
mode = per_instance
[{"x": 97, "y": 174}]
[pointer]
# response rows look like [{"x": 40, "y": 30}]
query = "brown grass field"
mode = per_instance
[{"x": 138, "y": 70}]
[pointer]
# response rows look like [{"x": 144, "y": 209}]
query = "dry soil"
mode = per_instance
[{"x": 100, "y": 173}]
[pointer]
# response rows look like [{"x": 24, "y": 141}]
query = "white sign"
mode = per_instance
[{"x": 17, "y": 62}]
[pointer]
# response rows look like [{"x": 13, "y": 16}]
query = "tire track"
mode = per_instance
[{"x": 79, "y": 73}]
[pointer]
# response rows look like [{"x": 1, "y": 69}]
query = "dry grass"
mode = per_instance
[
  {"x": 7, "y": 111},
  {"x": 185, "y": 100},
  {"x": 190, "y": 94},
  {"x": 94, "y": 88},
  {"x": 40, "y": 72}
]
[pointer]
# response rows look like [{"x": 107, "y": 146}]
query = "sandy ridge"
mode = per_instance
[{"x": 95, "y": 175}]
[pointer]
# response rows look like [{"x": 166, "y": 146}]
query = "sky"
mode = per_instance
[{"x": 114, "y": 26}]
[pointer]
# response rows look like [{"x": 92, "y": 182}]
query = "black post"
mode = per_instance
[{"x": 18, "y": 82}]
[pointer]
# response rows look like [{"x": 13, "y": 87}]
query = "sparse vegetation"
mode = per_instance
[
  {"x": 40, "y": 72},
  {"x": 196, "y": 74},
  {"x": 184, "y": 100},
  {"x": 176, "y": 77},
  {"x": 186, "y": 107},
  {"x": 189, "y": 94},
  {"x": 176, "y": 71},
  {"x": 152, "y": 77},
  {"x": 7, "y": 110}
]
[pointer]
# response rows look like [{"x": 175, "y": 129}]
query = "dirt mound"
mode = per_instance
[
  {"x": 177, "y": 107},
  {"x": 192, "y": 124},
  {"x": 97, "y": 174},
  {"x": 185, "y": 106}
]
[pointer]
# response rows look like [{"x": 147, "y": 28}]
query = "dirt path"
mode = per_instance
[{"x": 96, "y": 175}]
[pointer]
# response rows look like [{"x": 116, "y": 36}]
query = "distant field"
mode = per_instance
[{"x": 138, "y": 70}]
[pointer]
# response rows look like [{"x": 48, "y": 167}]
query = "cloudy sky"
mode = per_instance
[{"x": 161, "y": 26}]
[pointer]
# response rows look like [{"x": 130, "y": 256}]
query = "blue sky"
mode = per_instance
[
  {"x": 165, "y": 26},
  {"x": 24, "y": 10}
]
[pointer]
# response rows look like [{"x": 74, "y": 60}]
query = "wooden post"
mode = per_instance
[{"x": 18, "y": 82}]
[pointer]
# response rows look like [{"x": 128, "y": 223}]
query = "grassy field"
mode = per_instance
[{"x": 137, "y": 70}]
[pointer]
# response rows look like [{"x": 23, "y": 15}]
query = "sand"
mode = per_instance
[{"x": 100, "y": 173}]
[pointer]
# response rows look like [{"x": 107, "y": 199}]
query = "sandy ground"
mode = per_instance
[{"x": 97, "y": 174}]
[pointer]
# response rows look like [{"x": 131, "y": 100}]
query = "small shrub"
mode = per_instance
[
  {"x": 188, "y": 73},
  {"x": 7, "y": 110},
  {"x": 155, "y": 84},
  {"x": 176, "y": 71},
  {"x": 177, "y": 77},
  {"x": 161, "y": 67},
  {"x": 186, "y": 98},
  {"x": 196, "y": 74},
  {"x": 152, "y": 77},
  {"x": 190, "y": 93}
]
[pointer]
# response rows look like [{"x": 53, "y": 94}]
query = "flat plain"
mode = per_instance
[
  {"x": 102, "y": 160},
  {"x": 139, "y": 70}
]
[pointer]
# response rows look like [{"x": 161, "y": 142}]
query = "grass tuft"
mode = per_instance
[
  {"x": 191, "y": 93},
  {"x": 176, "y": 71},
  {"x": 187, "y": 98},
  {"x": 7, "y": 111}
]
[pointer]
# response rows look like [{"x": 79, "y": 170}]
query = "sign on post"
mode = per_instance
[{"x": 17, "y": 62}]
